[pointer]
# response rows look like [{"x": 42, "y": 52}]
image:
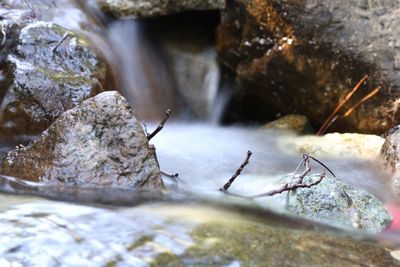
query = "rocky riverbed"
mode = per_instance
[{"x": 84, "y": 93}]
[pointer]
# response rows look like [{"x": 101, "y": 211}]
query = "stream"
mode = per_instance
[{"x": 193, "y": 224}]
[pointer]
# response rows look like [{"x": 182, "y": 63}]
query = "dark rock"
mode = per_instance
[
  {"x": 304, "y": 56},
  {"x": 151, "y": 8},
  {"x": 99, "y": 142},
  {"x": 39, "y": 82},
  {"x": 298, "y": 124}
]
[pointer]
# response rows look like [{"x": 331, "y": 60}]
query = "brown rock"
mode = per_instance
[
  {"x": 99, "y": 142},
  {"x": 304, "y": 56}
]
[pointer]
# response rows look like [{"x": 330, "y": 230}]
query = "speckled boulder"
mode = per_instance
[
  {"x": 339, "y": 204},
  {"x": 99, "y": 143}
]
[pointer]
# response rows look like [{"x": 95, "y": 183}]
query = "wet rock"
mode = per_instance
[
  {"x": 304, "y": 56},
  {"x": 98, "y": 143},
  {"x": 298, "y": 124},
  {"x": 40, "y": 81},
  {"x": 335, "y": 145},
  {"x": 151, "y": 8},
  {"x": 390, "y": 156},
  {"x": 339, "y": 204},
  {"x": 65, "y": 13}
]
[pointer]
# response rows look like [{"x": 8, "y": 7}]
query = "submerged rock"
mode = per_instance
[
  {"x": 41, "y": 81},
  {"x": 151, "y": 8},
  {"x": 339, "y": 204},
  {"x": 98, "y": 143},
  {"x": 171, "y": 235},
  {"x": 304, "y": 56},
  {"x": 298, "y": 124}
]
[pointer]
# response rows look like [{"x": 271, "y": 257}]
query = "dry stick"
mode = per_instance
[
  {"x": 288, "y": 187},
  {"x": 238, "y": 172},
  {"x": 28, "y": 3},
  {"x": 346, "y": 98},
  {"x": 172, "y": 176},
  {"x": 323, "y": 165},
  {"x": 160, "y": 126},
  {"x": 66, "y": 35}
]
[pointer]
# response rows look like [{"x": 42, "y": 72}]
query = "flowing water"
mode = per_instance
[{"x": 39, "y": 232}]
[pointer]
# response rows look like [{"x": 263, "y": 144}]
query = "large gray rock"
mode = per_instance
[
  {"x": 304, "y": 56},
  {"x": 98, "y": 143},
  {"x": 150, "y": 8},
  {"x": 336, "y": 203},
  {"x": 40, "y": 83}
]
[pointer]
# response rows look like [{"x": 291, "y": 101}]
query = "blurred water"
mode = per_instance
[{"x": 37, "y": 232}]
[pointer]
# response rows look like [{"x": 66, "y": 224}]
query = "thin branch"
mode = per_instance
[
  {"x": 160, "y": 126},
  {"x": 288, "y": 187},
  {"x": 346, "y": 98},
  {"x": 54, "y": 49},
  {"x": 172, "y": 176},
  {"x": 323, "y": 165},
  {"x": 238, "y": 172},
  {"x": 29, "y": 4}
]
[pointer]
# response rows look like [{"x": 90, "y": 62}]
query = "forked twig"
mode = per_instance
[
  {"x": 327, "y": 122},
  {"x": 237, "y": 173},
  {"x": 295, "y": 182},
  {"x": 160, "y": 126}
]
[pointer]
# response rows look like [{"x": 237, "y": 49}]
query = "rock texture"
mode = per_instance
[
  {"x": 335, "y": 145},
  {"x": 98, "y": 143},
  {"x": 295, "y": 123},
  {"x": 168, "y": 235},
  {"x": 304, "y": 56},
  {"x": 339, "y": 204},
  {"x": 390, "y": 156},
  {"x": 40, "y": 82},
  {"x": 151, "y": 8}
]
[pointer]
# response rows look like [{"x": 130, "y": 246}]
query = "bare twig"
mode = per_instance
[
  {"x": 172, "y": 176},
  {"x": 290, "y": 187},
  {"x": 346, "y": 98},
  {"x": 295, "y": 182},
  {"x": 54, "y": 49},
  {"x": 29, "y": 4},
  {"x": 238, "y": 172},
  {"x": 160, "y": 126}
]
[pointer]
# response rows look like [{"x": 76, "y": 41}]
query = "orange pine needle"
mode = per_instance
[
  {"x": 328, "y": 121},
  {"x": 365, "y": 98}
]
